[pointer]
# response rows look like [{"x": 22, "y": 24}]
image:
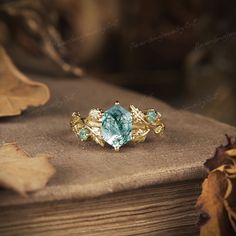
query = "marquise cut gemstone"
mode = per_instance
[{"x": 116, "y": 126}]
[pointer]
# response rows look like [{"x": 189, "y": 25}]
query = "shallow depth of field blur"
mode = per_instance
[{"x": 183, "y": 52}]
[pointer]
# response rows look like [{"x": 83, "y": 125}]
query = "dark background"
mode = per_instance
[{"x": 180, "y": 51}]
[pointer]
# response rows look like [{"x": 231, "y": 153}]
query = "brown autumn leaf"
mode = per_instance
[
  {"x": 231, "y": 152},
  {"x": 214, "y": 219},
  {"x": 22, "y": 173},
  {"x": 17, "y": 92},
  {"x": 222, "y": 155},
  {"x": 217, "y": 202}
]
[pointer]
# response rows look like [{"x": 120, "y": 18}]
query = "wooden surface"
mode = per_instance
[{"x": 154, "y": 211}]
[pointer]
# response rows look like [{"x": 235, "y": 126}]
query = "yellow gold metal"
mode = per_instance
[
  {"x": 92, "y": 123},
  {"x": 141, "y": 124}
]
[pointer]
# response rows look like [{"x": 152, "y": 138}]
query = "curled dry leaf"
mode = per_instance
[
  {"x": 217, "y": 202},
  {"x": 22, "y": 173},
  {"x": 224, "y": 155},
  {"x": 17, "y": 92}
]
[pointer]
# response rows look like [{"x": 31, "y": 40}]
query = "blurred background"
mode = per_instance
[{"x": 183, "y": 52}]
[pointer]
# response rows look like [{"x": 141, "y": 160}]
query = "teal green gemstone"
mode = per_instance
[
  {"x": 116, "y": 126},
  {"x": 151, "y": 116},
  {"x": 83, "y": 134}
]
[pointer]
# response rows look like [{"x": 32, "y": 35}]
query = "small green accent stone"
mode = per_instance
[
  {"x": 116, "y": 126},
  {"x": 151, "y": 116},
  {"x": 83, "y": 134}
]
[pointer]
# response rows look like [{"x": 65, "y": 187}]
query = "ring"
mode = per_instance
[{"x": 117, "y": 126}]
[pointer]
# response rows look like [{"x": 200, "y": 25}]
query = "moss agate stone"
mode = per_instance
[{"x": 116, "y": 126}]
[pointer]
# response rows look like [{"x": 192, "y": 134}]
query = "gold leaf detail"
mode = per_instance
[
  {"x": 140, "y": 128},
  {"x": 160, "y": 128},
  {"x": 76, "y": 122},
  {"x": 93, "y": 123}
]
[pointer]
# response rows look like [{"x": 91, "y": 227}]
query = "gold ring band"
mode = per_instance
[{"x": 117, "y": 126}]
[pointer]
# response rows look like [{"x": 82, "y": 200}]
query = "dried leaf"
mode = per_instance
[
  {"x": 231, "y": 152},
  {"x": 17, "y": 92},
  {"x": 22, "y": 173},
  {"x": 221, "y": 156},
  {"x": 217, "y": 202},
  {"x": 214, "y": 217},
  {"x": 210, "y": 204}
]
